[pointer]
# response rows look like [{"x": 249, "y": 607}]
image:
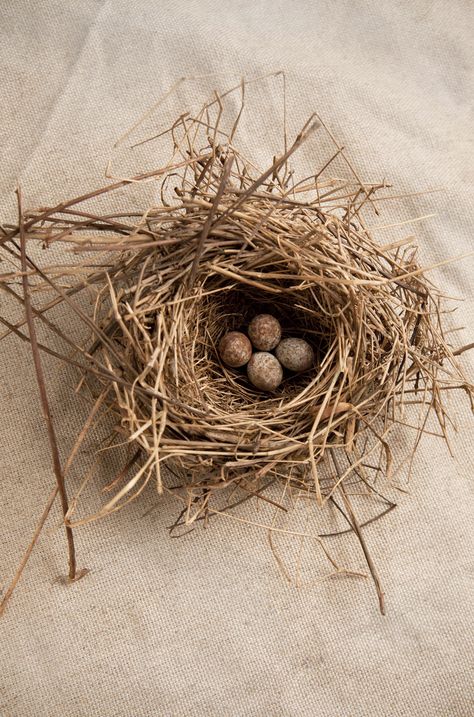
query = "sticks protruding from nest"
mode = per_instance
[{"x": 42, "y": 390}]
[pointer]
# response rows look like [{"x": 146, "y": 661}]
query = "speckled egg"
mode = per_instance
[
  {"x": 235, "y": 349},
  {"x": 265, "y": 332},
  {"x": 264, "y": 371},
  {"x": 295, "y": 354}
]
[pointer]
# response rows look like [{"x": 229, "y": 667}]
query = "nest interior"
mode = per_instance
[{"x": 225, "y": 242}]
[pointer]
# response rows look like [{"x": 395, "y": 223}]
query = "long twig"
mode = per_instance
[
  {"x": 26, "y": 556},
  {"x": 354, "y": 523},
  {"x": 43, "y": 393},
  {"x": 208, "y": 223}
]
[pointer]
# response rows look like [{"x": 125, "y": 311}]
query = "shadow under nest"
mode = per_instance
[{"x": 168, "y": 282}]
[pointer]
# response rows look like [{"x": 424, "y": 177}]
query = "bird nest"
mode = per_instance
[{"x": 224, "y": 243}]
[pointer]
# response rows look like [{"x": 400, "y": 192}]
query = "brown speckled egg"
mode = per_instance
[
  {"x": 295, "y": 354},
  {"x": 265, "y": 332},
  {"x": 235, "y": 349},
  {"x": 264, "y": 371}
]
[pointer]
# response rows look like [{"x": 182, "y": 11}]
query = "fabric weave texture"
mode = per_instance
[{"x": 205, "y": 625}]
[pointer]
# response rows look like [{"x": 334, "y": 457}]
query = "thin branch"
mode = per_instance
[
  {"x": 43, "y": 393},
  {"x": 29, "y": 550},
  {"x": 353, "y": 522}
]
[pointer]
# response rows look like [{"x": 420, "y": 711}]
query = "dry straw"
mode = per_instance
[{"x": 226, "y": 241}]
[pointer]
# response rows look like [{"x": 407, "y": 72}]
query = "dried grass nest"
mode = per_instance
[{"x": 232, "y": 242}]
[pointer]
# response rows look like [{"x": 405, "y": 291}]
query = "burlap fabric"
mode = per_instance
[{"x": 205, "y": 625}]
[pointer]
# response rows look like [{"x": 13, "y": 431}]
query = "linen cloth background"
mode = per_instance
[{"x": 205, "y": 625}]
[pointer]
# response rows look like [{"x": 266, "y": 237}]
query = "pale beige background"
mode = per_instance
[{"x": 205, "y": 626}]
